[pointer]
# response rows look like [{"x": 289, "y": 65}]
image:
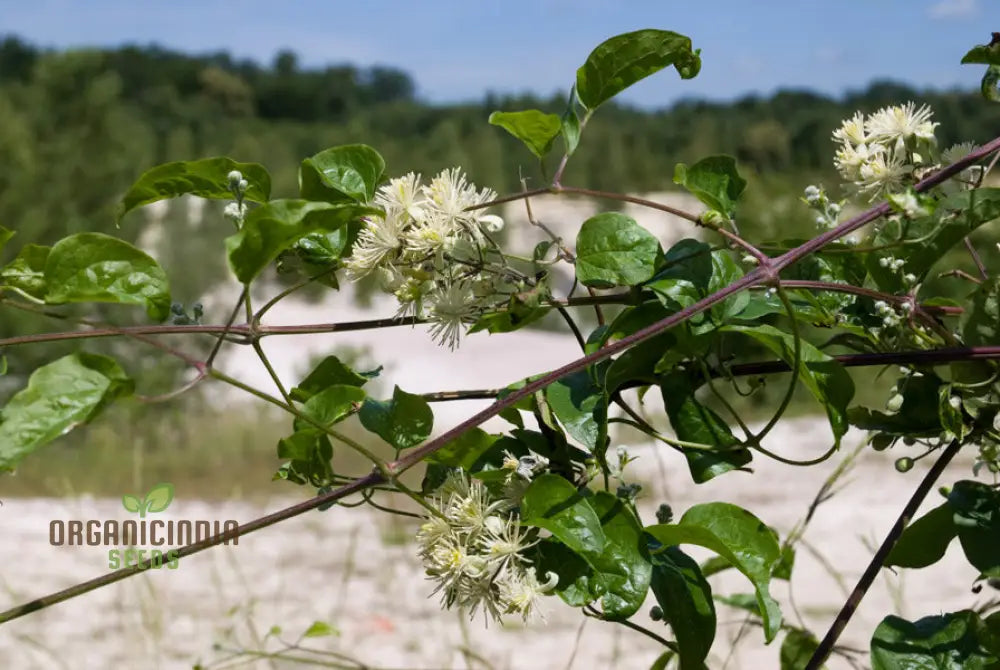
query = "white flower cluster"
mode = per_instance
[
  {"x": 427, "y": 249},
  {"x": 967, "y": 178},
  {"x": 890, "y": 317},
  {"x": 474, "y": 546},
  {"x": 880, "y": 152},
  {"x": 827, "y": 213},
  {"x": 896, "y": 265}
]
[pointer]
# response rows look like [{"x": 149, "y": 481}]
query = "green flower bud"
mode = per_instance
[
  {"x": 904, "y": 464},
  {"x": 234, "y": 177},
  {"x": 714, "y": 219}
]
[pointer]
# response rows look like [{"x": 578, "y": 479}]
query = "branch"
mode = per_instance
[
  {"x": 871, "y": 572},
  {"x": 244, "y": 529}
]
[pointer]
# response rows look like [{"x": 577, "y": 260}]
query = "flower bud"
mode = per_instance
[
  {"x": 242, "y": 185},
  {"x": 895, "y": 403},
  {"x": 904, "y": 464},
  {"x": 234, "y": 177}
]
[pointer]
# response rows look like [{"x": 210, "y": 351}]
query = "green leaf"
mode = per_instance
[
  {"x": 309, "y": 453},
  {"x": 796, "y": 650},
  {"x": 624, "y": 562},
  {"x": 60, "y": 395},
  {"x": 535, "y": 129},
  {"x": 976, "y": 508},
  {"x": 725, "y": 271},
  {"x": 26, "y": 272},
  {"x": 405, "y": 421},
  {"x": 131, "y": 503},
  {"x": 685, "y": 597},
  {"x": 693, "y": 422},
  {"x": 330, "y": 372},
  {"x": 983, "y": 54},
  {"x": 925, "y": 541},
  {"x": 955, "y": 641},
  {"x": 598, "y": 549},
  {"x": 205, "y": 178},
  {"x": 613, "y": 250},
  {"x": 320, "y": 629},
  {"x": 570, "y": 123},
  {"x": 578, "y": 582},
  {"x": 272, "y": 228},
  {"x": 713, "y": 180},
  {"x": 349, "y": 173},
  {"x": 621, "y": 61},
  {"x": 556, "y": 505},
  {"x": 825, "y": 378},
  {"x": 990, "y": 85},
  {"x": 159, "y": 497},
  {"x": 331, "y": 405},
  {"x": 318, "y": 255},
  {"x": 581, "y": 405},
  {"x": 465, "y": 450},
  {"x": 662, "y": 661},
  {"x": 522, "y": 308},
  {"x": 980, "y": 321},
  {"x": 918, "y": 417},
  {"x": 93, "y": 267},
  {"x": 739, "y": 537},
  {"x": 684, "y": 276}
]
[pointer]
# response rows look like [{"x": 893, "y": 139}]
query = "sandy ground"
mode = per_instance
[{"x": 357, "y": 570}]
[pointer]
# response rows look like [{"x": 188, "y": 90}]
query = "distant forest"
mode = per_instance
[{"x": 78, "y": 127}]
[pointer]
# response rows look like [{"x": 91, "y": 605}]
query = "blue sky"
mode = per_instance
[{"x": 458, "y": 50}]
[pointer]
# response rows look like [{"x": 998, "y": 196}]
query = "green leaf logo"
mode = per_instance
[
  {"x": 157, "y": 500},
  {"x": 131, "y": 503}
]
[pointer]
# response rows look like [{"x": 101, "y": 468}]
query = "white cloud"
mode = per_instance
[{"x": 953, "y": 9}]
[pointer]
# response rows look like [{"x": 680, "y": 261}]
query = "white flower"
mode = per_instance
[
  {"x": 431, "y": 533},
  {"x": 378, "y": 241},
  {"x": 491, "y": 222},
  {"x": 968, "y": 177},
  {"x": 456, "y": 483},
  {"x": 452, "y": 306},
  {"x": 895, "y": 125},
  {"x": 852, "y": 131},
  {"x": 468, "y": 513},
  {"x": 404, "y": 195},
  {"x": 882, "y": 175},
  {"x": 504, "y": 540},
  {"x": 849, "y": 159},
  {"x": 452, "y": 195},
  {"x": 450, "y": 561},
  {"x": 956, "y": 152},
  {"x": 520, "y": 592},
  {"x": 436, "y": 232},
  {"x": 235, "y": 212}
]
